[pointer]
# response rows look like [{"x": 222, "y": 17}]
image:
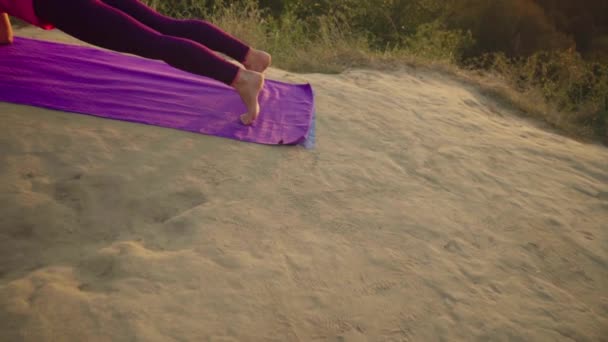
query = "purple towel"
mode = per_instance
[{"x": 116, "y": 86}]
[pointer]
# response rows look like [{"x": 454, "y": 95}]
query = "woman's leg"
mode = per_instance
[
  {"x": 197, "y": 30},
  {"x": 94, "y": 22}
]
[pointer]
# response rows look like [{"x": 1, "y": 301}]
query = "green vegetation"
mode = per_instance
[{"x": 556, "y": 50}]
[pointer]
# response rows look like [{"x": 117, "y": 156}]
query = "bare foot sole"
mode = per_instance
[
  {"x": 249, "y": 84},
  {"x": 257, "y": 60}
]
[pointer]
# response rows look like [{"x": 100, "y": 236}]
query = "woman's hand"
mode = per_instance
[{"x": 6, "y": 31}]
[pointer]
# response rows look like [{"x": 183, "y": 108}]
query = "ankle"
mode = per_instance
[
  {"x": 238, "y": 79},
  {"x": 247, "y": 56},
  {"x": 245, "y": 78}
]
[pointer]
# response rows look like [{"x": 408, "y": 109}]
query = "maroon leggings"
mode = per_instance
[{"x": 130, "y": 26}]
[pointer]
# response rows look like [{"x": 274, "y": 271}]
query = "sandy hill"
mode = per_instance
[{"x": 426, "y": 213}]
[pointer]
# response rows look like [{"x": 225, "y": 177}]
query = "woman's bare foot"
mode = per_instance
[
  {"x": 257, "y": 60},
  {"x": 249, "y": 84}
]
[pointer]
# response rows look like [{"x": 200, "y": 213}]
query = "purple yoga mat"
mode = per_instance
[{"x": 102, "y": 83}]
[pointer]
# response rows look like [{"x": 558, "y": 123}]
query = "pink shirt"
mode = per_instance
[{"x": 24, "y": 10}]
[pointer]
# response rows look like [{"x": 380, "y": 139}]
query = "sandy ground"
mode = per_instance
[{"x": 426, "y": 213}]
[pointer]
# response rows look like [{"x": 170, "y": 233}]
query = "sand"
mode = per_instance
[{"x": 427, "y": 212}]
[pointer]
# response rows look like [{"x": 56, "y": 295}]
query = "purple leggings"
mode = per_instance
[{"x": 130, "y": 26}]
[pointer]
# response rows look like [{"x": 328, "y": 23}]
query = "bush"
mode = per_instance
[
  {"x": 514, "y": 27},
  {"x": 576, "y": 89},
  {"x": 433, "y": 41}
]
